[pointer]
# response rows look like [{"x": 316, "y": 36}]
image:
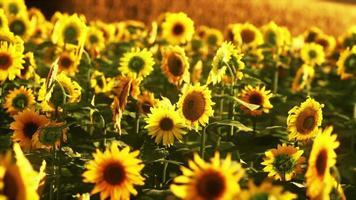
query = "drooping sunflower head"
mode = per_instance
[
  {"x": 312, "y": 54},
  {"x": 95, "y": 39},
  {"x": 122, "y": 83},
  {"x": 164, "y": 123},
  {"x": 71, "y": 88},
  {"x": 284, "y": 162},
  {"x": 136, "y": 63},
  {"x": 247, "y": 35},
  {"x": 258, "y": 96},
  {"x": 19, "y": 99},
  {"x": 114, "y": 172},
  {"x": 21, "y": 26},
  {"x": 27, "y": 123},
  {"x": 69, "y": 29},
  {"x": 145, "y": 101},
  {"x": 217, "y": 179},
  {"x": 322, "y": 158},
  {"x": 303, "y": 78},
  {"x": 29, "y": 66},
  {"x": 346, "y": 65},
  {"x": 177, "y": 28},
  {"x": 303, "y": 121},
  {"x": 175, "y": 65},
  {"x": 4, "y": 24},
  {"x": 195, "y": 105},
  {"x": 10, "y": 61}
]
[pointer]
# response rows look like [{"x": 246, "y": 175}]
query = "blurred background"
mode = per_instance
[{"x": 333, "y": 16}]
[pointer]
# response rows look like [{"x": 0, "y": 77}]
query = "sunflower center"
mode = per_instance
[
  {"x": 93, "y": 39},
  {"x": 65, "y": 62},
  {"x": 212, "y": 40},
  {"x": 13, "y": 8},
  {"x": 136, "y": 64},
  {"x": 283, "y": 163},
  {"x": 321, "y": 162},
  {"x": 114, "y": 174},
  {"x": 255, "y": 98},
  {"x": 146, "y": 106},
  {"x": 178, "y": 29},
  {"x": 175, "y": 65},
  {"x": 20, "y": 102},
  {"x": 230, "y": 35},
  {"x": 247, "y": 36},
  {"x": 350, "y": 61},
  {"x": 271, "y": 37},
  {"x": 166, "y": 124},
  {"x": 311, "y": 37},
  {"x": 18, "y": 27},
  {"x": 306, "y": 121},
  {"x": 70, "y": 34},
  {"x": 194, "y": 106},
  {"x": 99, "y": 81},
  {"x": 5, "y": 61},
  {"x": 259, "y": 196},
  {"x": 309, "y": 122},
  {"x": 10, "y": 189},
  {"x": 312, "y": 54},
  {"x": 211, "y": 185},
  {"x": 30, "y": 128}
]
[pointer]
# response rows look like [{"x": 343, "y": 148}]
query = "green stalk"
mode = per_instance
[
  {"x": 202, "y": 143},
  {"x": 165, "y": 166},
  {"x": 275, "y": 80}
]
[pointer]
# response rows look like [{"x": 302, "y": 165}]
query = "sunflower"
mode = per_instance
[
  {"x": 175, "y": 65},
  {"x": 137, "y": 63},
  {"x": 336, "y": 192},
  {"x": 346, "y": 65},
  {"x": 195, "y": 105},
  {"x": 213, "y": 37},
  {"x": 14, "y": 7},
  {"x": 196, "y": 73},
  {"x": 99, "y": 82},
  {"x": 26, "y": 124},
  {"x": 284, "y": 162},
  {"x": 69, "y": 29},
  {"x": 258, "y": 96},
  {"x": 41, "y": 32},
  {"x": 145, "y": 102},
  {"x": 19, "y": 99},
  {"x": 347, "y": 40},
  {"x": 135, "y": 29},
  {"x": 303, "y": 77},
  {"x": 8, "y": 37},
  {"x": 327, "y": 41},
  {"x": 29, "y": 66},
  {"x": 177, "y": 28},
  {"x": 303, "y": 121},
  {"x": 322, "y": 158},
  {"x": 95, "y": 40},
  {"x": 35, "y": 14},
  {"x": 312, "y": 54},
  {"x": 312, "y": 34},
  {"x": 121, "y": 82},
  {"x": 115, "y": 173},
  {"x": 21, "y": 26},
  {"x": 265, "y": 191},
  {"x": 107, "y": 29},
  {"x": 4, "y": 24},
  {"x": 50, "y": 135},
  {"x": 247, "y": 35},
  {"x": 216, "y": 180},
  {"x": 275, "y": 35},
  {"x": 68, "y": 62},
  {"x": 18, "y": 180},
  {"x": 227, "y": 57},
  {"x": 164, "y": 123},
  {"x": 10, "y": 61}
]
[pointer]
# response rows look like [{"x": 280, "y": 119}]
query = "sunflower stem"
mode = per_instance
[
  {"x": 275, "y": 80},
  {"x": 202, "y": 143},
  {"x": 53, "y": 182},
  {"x": 254, "y": 124},
  {"x": 164, "y": 176},
  {"x": 137, "y": 130}
]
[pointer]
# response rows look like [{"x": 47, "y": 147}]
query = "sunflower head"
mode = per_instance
[
  {"x": 145, "y": 101},
  {"x": 312, "y": 54},
  {"x": 52, "y": 134},
  {"x": 29, "y": 66},
  {"x": 258, "y": 96},
  {"x": 14, "y": 7},
  {"x": 346, "y": 64},
  {"x": 303, "y": 121},
  {"x": 99, "y": 82},
  {"x": 312, "y": 34},
  {"x": 68, "y": 62},
  {"x": 10, "y": 61},
  {"x": 327, "y": 42},
  {"x": 275, "y": 35},
  {"x": 303, "y": 78},
  {"x": 19, "y": 99},
  {"x": 217, "y": 179},
  {"x": 213, "y": 37},
  {"x": 21, "y": 26},
  {"x": 136, "y": 63},
  {"x": 247, "y": 35},
  {"x": 95, "y": 39},
  {"x": 177, "y": 28}
]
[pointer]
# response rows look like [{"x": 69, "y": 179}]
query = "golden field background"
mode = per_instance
[{"x": 297, "y": 15}]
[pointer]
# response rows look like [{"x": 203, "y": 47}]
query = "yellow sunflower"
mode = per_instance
[
  {"x": 14, "y": 7},
  {"x": 115, "y": 173},
  {"x": 41, "y": 32},
  {"x": 164, "y": 123},
  {"x": 327, "y": 42},
  {"x": 258, "y": 96},
  {"x": 29, "y": 66},
  {"x": 195, "y": 105},
  {"x": 135, "y": 29},
  {"x": 51, "y": 134},
  {"x": 4, "y": 24},
  {"x": 303, "y": 77},
  {"x": 196, "y": 73},
  {"x": 10, "y": 61},
  {"x": 322, "y": 158},
  {"x": 18, "y": 180},
  {"x": 175, "y": 65},
  {"x": 346, "y": 64},
  {"x": 303, "y": 121},
  {"x": 99, "y": 82},
  {"x": 284, "y": 162},
  {"x": 217, "y": 179},
  {"x": 312, "y": 34},
  {"x": 213, "y": 37},
  {"x": 337, "y": 192},
  {"x": 19, "y": 99},
  {"x": 347, "y": 39},
  {"x": 95, "y": 41},
  {"x": 137, "y": 63},
  {"x": 35, "y": 14},
  {"x": 275, "y": 35},
  {"x": 26, "y": 124},
  {"x": 247, "y": 35},
  {"x": 177, "y": 28},
  {"x": 265, "y": 191},
  {"x": 108, "y": 29},
  {"x": 312, "y": 54},
  {"x": 145, "y": 101},
  {"x": 21, "y": 26},
  {"x": 68, "y": 62}
]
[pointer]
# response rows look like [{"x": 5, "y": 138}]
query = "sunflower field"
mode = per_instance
[{"x": 173, "y": 110}]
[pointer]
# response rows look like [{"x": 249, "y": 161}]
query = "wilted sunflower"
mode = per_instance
[
  {"x": 21, "y": 26},
  {"x": 145, "y": 101},
  {"x": 216, "y": 180},
  {"x": 50, "y": 135},
  {"x": 19, "y": 180},
  {"x": 175, "y": 65},
  {"x": 247, "y": 35},
  {"x": 29, "y": 66},
  {"x": 14, "y": 7},
  {"x": 284, "y": 162},
  {"x": 26, "y": 124},
  {"x": 4, "y": 24},
  {"x": 177, "y": 28},
  {"x": 137, "y": 63},
  {"x": 121, "y": 82},
  {"x": 19, "y": 99},
  {"x": 195, "y": 105},
  {"x": 303, "y": 121},
  {"x": 312, "y": 54},
  {"x": 115, "y": 173},
  {"x": 346, "y": 65},
  {"x": 164, "y": 123},
  {"x": 258, "y": 96},
  {"x": 303, "y": 78},
  {"x": 322, "y": 158},
  {"x": 265, "y": 191},
  {"x": 10, "y": 61}
]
